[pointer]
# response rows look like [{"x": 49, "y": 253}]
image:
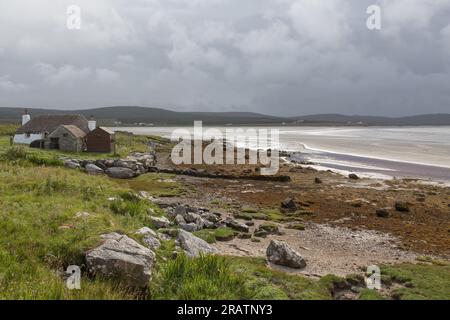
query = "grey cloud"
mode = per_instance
[{"x": 287, "y": 57}]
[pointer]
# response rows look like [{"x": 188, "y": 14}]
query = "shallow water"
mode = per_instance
[{"x": 414, "y": 152}]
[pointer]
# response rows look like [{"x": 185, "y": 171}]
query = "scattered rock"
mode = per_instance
[
  {"x": 288, "y": 205},
  {"x": 244, "y": 236},
  {"x": 92, "y": 169},
  {"x": 260, "y": 233},
  {"x": 280, "y": 253},
  {"x": 191, "y": 217},
  {"x": 193, "y": 245},
  {"x": 402, "y": 206},
  {"x": 179, "y": 219},
  {"x": 270, "y": 228},
  {"x": 150, "y": 238},
  {"x": 122, "y": 257},
  {"x": 353, "y": 176},
  {"x": 180, "y": 210},
  {"x": 189, "y": 227},
  {"x": 71, "y": 165},
  {"x": 160, "y": 222},
  {"x": 317, "y": 180},
  {"x": 236, "y": 225},
  {"x": 382, "y": 213},
  {"x": 120, "y": 173}
]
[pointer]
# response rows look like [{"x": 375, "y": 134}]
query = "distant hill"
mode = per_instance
[{"x": 130, "y": 115}]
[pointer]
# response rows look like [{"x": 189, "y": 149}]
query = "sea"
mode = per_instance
[{"x": 377, "y": 152}]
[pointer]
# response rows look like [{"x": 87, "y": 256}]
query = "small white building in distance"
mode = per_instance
[{"x": 40, "y": 127}]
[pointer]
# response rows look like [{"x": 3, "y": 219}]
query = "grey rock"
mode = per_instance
[
  {"x": 214, "y": 218},
  {"x": 160, "y": 222},
  {"x": 179, "y": 219},
  {"x": 193, "y": 245},
  {"x": 71, "y": 164},
  {"x": 236, "y": 225},
  {"x": 120, "y": 173},
  {"x": 146, "y": 231},
  {"x": 120, "y": 257},
  {"x": 191, "y": 217},
  {"x": 92, "y": 169},
  {"x": 280, "y": 253},
  {"x": 150, "y": 238},
  {"x": 189, "y": 227},
  {"x": 180, "y": 210}
]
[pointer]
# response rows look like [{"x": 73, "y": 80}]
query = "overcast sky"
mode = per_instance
[{"x": 282, "y": 57}]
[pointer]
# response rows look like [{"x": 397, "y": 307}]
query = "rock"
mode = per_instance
[
  {"x": 191, "y": 217},
  {"x": 179, "y": 219},
  {"x": 382, "y": 213},
  {"x": 236, "y": 225},
  {"x": 150, "y": 238},
  {"x": 288, "y": 205},
  {"x": 270, "y": 228},
  {"x": 402, "y": 206},
  {"x": 146, "y": 231},
  {"x": 120, "y": 257},
  {"x": 214, "y": 218},
  {"x": 207, "y": 224},
  {"x": 244, "y": 236},
  {"x": 82, "y": 215},
  {"x": 71, "y": 164},
  {"x": 92, "y": 169},
  {"x": 353, "y": 176},
  {"x": 280, "y": 253},
  {"x": 317, "y": 180},
  {"x": 189, "y": 227},
  {"x": 160, "y": 222},
  {"x": 101, "y": 164},
  {"x": 193, "y": 245},
  {"x": 120, "y": 173},
  {"x": 260, "y": 233},
  {"x": 180, "y": 210}
]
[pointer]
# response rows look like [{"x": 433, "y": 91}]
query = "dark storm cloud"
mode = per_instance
[{"x": 286, "y": 57}]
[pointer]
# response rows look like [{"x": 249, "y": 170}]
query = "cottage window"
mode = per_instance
[
  {"x": 65, "y": 135},
  {"x": 27, "y": 135}
]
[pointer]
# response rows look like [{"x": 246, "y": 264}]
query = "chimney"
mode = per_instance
[
  {"x": 25, "y": 117},
  {"x": 92, "y": 124}
]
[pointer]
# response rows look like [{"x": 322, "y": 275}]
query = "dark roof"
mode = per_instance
[
  {"x": 49, "y": 123},
  {"x": 75, "y": 131}
]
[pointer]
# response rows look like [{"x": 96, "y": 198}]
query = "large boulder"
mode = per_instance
[
  {"x": 120, "y": 257},
  {"x": 193, "y": 245},
  {"x": 92, "y": 169},
  {"x": 120, "y": 173},
  {"x": 280, "y": 253}
]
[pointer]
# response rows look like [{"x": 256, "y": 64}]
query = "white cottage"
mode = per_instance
[{"x": 40, "y": 127}]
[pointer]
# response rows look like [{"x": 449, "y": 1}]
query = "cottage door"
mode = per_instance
[{"x": 54, "y": 143}]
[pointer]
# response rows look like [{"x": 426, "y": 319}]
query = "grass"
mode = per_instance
[
  {"x": 419, "y": 281},
  {"x": 214, "y": 235},
  {"x": 40, "y": 235},
  {"x": 157, "y": 184}
]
